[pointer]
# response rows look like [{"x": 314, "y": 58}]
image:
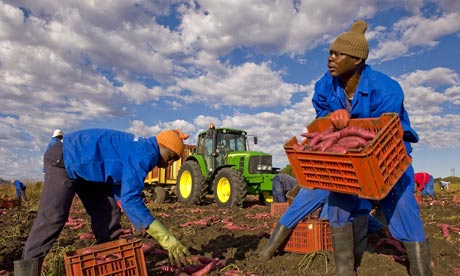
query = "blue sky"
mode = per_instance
[{"x": 145, "y": 66}]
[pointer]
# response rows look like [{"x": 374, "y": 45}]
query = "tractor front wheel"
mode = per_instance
[
  {"x": 229, "y": 188},
  {"x": 191, "y": 185}
]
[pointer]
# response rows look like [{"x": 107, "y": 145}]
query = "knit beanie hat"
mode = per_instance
[
  {"x": 353, "y": 43},
  {"x": 173, "y": 140}
]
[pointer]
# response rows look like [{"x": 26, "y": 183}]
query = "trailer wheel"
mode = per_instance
[
  {"x": 229, "y": 188},
  {"x": 160, "y": 195},
  {"x": 191, "y": 185}
]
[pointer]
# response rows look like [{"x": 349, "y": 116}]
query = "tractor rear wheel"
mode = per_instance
[
  {"x": 229, "y": 188},
  {"x": 191, "y": 185}
]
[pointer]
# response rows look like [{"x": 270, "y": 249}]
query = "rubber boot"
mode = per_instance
[
  {"x": 360, "y": 225},
  {"x": 30, "y": 267},
  {"x": 419, "y": 258},
  {"x": 342, "y": 242},
  {"x": 279, "y": 235}
]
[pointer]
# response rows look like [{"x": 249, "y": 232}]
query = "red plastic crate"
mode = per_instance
[
  {"x": 277, "y": 209},
  {"x": 9, "y": 203},
  {"x": 310, "y": 235},
  {"x": 130, "y": 261},
  {"x": 370, "y": 172}
]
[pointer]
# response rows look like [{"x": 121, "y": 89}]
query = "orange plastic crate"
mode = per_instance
[
  {"x": 370, "y": 172},
  {"x": 130, "y": 262},
  {"x": 278, "y": 208},
  {"x": 310, "y": 235}
]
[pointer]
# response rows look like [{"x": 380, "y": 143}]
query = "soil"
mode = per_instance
[{"x": 234, "y": 236}]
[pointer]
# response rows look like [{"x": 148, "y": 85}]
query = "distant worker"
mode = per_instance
[
  {"x": 20, "y": 189},
  {"x": 282, "y": 183},
  {"x": 425, "y": 184},
  {"x": 57, "y": 136},
  {"x": 444, "y": 185}
]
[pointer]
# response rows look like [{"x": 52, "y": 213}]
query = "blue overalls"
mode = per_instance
[{"x": 376, "y": 94}]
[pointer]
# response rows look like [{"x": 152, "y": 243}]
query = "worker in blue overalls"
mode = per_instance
[
  {"x": 352, "y": 89},
  {"x": 101, "y": 166}
]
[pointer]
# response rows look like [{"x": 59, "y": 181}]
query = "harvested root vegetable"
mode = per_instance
[
  {"x": 205, "y": 270},
  {"x": 86, "y": 236},
  {"x": 339, "y": 141}
]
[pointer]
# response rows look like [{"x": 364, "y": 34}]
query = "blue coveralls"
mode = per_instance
[
  {"x": 376, "y": 94},
  {"x": 20, "y": 189},
  {"x": 429, "y": 187},
  {"x": 307, "y": 201},
  {"x": 100, "y": 166},
  {"x": 281, "y": 184}
]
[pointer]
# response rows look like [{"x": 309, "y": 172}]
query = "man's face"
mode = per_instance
[
  {"x": 340, "y": 64},
  {"x": 167, "y": 157}
]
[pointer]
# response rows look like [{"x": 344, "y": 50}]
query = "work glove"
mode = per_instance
[
  {"x": 340, "y": 118},
  {"x": 177, "y": 252}
]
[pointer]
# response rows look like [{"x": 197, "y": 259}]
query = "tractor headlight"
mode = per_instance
[{"x": 264, "y": 167}]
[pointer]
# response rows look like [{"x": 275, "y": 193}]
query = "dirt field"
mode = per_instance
[{"x": 234, "y": 237}]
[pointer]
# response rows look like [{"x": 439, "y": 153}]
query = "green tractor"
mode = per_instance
[{"x": 223, "y": 165}]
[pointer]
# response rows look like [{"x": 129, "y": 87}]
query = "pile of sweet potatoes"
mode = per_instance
[{"x": 336, "y": 141}]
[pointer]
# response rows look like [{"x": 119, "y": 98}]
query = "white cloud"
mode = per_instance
[{"x": 250, "y": 84}]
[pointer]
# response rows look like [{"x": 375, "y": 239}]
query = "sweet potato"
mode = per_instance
[
  {"x": 353, "y": 142},
  {"x": 337, "y": 148},
  {"x": 205, "y": 270},
  {"x": 357, "y": 131}
]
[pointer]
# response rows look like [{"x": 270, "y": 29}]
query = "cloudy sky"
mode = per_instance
[{"x": 145, "y": 66}]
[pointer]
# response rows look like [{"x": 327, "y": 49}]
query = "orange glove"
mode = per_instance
[{"x": 340, "y": 118}]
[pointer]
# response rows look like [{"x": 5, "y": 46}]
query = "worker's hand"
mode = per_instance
[
  {"x": 340, "y": 118},
  {"x": 177, "y": 252}
]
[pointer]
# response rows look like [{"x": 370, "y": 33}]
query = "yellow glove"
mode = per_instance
[{"x": 176, "y": 251}]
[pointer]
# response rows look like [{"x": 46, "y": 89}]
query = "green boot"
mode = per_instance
[
  {"x": 279, "y": 235},
  {"x": 342, "y": 242},
  {"x": 419, "y": 258},
  {"x": 30, "y": 267}
]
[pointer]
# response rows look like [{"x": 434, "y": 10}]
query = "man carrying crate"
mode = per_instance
[{"x": 352, "y": 89}]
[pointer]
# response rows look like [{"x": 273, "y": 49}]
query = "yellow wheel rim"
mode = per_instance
[
  {"x": 268, "y": 197},
  {"x": 185, "y": 184},
  {"x": 223, "y": 189}
]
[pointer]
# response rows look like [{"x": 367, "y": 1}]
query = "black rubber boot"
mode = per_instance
[
  {"x": 30, "y": 267},
  {"x": 360, "y": 225},
  {"x": 279, "y": 235},
  {"x": 419, "y": 258},
  {"x": 342, "y": 242}
]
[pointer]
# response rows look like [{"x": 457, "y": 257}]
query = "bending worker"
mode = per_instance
[
  {"x": 425, "y": 184},
  {"x": 352, "y": 89},
  {"x": 20, "y": 189},
  {"x": 100, "y": 166},
  {"x": 281, "y": 184}
]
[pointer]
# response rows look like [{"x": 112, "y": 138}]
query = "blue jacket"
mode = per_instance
[
  {"x": 52, "y": 142},
  {"x": 19, "y": 185},
  {"x": 117, "y": 158},
  {"x": 376, "y": 94}
]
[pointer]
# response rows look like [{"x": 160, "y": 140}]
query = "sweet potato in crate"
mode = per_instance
[
  {"x": 369, "y": 172},
  {"x": 116, "y": 258},
  {"x": 310, "y": 235}
]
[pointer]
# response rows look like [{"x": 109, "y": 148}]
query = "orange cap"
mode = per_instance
[{"x": 173, "y": 140}]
